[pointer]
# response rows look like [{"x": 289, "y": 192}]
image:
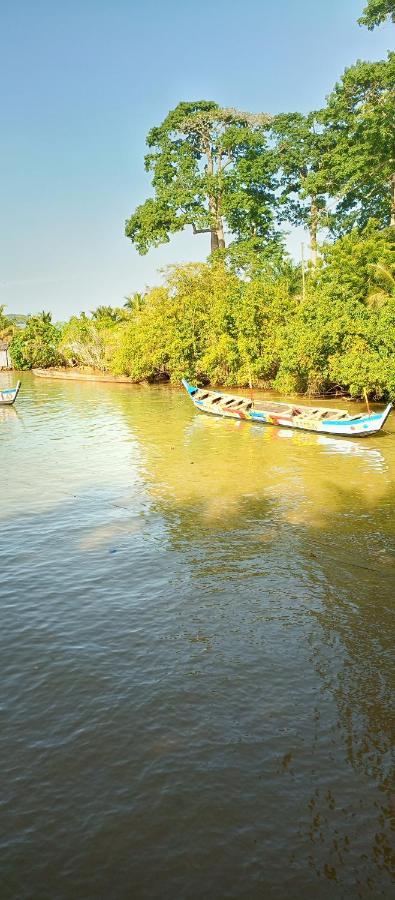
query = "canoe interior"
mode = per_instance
[
  {"x": 323, "y": 419},
  {"x": 235, "y": 402}
]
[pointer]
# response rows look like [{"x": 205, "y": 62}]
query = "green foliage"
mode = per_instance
[
  {"x": 353, "y": 263},
  {"x": 167, "y": 333},
  {"x": 338, "y": 338},
  {"x": 84, "y": 342},
  {"x": 376, "y": 12},
  {"x": 108, "y": 315},
  {"x": 359, "y": 160},
  {"x": 207, "y": 323},
  {"x": 221, "y": 170},
  {"x": 231, "y": 322},
  {"x": 210, "y": 324},
  {"x": 7, "y": 326},
  {"x": 134, "y": 302},
  {"x": 300, "y": 146},
  {"x": 37, "y": 345},
  {"x": 210, "y": 167}
]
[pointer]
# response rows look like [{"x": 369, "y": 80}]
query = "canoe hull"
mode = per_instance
[
  {"x": 360, "y": 426},
  {"x": 9, "y": 395}
]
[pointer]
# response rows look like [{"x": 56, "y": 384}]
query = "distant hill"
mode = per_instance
[{"x": 18, "y": 319}]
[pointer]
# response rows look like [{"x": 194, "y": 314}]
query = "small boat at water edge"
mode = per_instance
[
  {"x": 288, "y": 415},
  {"x": 9, "y": 395}
]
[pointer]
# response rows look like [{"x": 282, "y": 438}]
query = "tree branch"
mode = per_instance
[
  {"x": 228, "y": 162},
  {"x": 200, "y": 230}
]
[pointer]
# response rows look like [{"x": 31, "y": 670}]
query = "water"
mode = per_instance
[{"x": 195, "y": 652}]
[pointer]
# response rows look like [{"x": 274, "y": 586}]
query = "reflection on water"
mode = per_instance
[
  {"x": 308, "y": 478},
  {"x": 372, "y": 455},
  {"x": 196, "y": 652}
]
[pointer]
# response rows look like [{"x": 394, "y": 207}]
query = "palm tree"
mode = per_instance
[
  {"x": 134, "y": 303},
  {"x": 385, "y": 284}
]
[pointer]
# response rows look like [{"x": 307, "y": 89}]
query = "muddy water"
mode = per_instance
[{"x": 196, "y": 652}]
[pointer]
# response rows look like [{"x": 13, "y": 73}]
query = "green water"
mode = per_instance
[{"x": 196, "y": 637}]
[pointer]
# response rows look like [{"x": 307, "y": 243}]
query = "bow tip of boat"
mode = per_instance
[
  {"x": 387, "y": 411},
  {"x": 188, "y": 387}
]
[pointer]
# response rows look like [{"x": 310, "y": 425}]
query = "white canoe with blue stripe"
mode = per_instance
[
  {"x": 9, "y": 395},
  {"x": 287, "y": 415}
]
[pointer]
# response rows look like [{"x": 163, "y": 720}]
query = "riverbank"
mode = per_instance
[{"x": 90, "y": 374}]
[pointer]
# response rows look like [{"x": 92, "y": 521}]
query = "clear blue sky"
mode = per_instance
[{"x": 82, "y": 82}]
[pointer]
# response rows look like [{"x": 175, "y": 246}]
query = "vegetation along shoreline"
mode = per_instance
[{"x": 250, "y": 315}]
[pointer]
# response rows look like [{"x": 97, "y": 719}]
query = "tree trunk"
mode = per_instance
[
  {"x": 313, "y": 231},
  {"x": 393, "y": 200},
  {"x": 220, "y": 234},
  {"x": 214, "y": 240},
  {"x": 220, "y": 226},
  {"x": 217, "y": 230},
  {"x": 217, "y": 235}
]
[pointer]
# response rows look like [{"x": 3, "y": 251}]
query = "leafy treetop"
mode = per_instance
[
  {"x": 7, "y": 327},
  {"x": 300, "y": 146},
  {"x": 210, "y": 167},
  {"x": 36, "y": 344},
  {"x": 360, "y": 144},
  {"x": 376, "y": 12}
]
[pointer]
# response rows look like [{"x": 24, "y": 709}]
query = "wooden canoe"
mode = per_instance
[
  {"x": 287, "y": 415},
  {"x": 9, "y": 395}
]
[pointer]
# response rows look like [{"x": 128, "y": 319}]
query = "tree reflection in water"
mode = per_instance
[{"x": 244, "y": 501}]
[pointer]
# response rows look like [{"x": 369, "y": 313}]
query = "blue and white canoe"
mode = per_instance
[
  {"x": 9, "y": 395},
  {"x": 287, "y": 415}
]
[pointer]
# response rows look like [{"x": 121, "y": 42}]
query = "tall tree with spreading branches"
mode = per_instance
[
  {"x": 360, "y": 141},
  {"x": 300, "y": 143},
  {"x": 212, "y": 169}
]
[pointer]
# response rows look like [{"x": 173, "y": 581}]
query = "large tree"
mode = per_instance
[
  {"x": 300, "y": 145},
  {"x": 376, "y": 12},
  {"x": 360, "y": 140},
  {"x": 212, "y": 169}
]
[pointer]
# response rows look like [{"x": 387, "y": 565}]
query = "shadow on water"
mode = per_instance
[
  {"x": 325, "y": 525},
  {"x": 196, "y": 658}
]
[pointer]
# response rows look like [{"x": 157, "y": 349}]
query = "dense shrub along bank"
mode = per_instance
[{"x": 214, "y": 324}]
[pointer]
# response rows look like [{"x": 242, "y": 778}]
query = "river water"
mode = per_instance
[{"x": 195, "y": 652}]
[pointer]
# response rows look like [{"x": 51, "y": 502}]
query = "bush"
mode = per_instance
[{"x": 37, "y": 345}]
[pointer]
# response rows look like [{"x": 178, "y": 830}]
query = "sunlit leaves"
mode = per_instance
[
  {"x": 376, "y": 12},
  {"x": 212, "y": 169},
  {"x": 36, "y": 345},
  {"x": 360, "y": 139}
]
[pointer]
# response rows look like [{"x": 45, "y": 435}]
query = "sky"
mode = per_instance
[{"x": 82, "y": 83}]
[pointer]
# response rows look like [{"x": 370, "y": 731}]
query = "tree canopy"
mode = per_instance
[
  {"x": 221, "y": 170},
  {"x": 360, "y": 144},
  {"x": 376, "y": 12},
  {"x": 210, "y": 323},
  {"x": 212, "y": 168},
  {"x": 7, "y": 326},
  {"x": 37, "y": 344},
  {"x": 300, "y": 148}
]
